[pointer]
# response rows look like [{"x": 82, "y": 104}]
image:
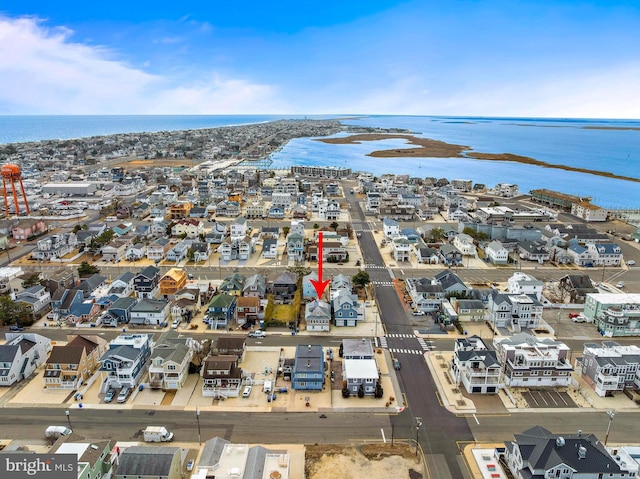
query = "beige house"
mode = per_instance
[{"x": 70, "y": 366}]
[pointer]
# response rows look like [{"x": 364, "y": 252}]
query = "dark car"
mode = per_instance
[
  {"x": 246, "y": 326},
  {"x": 16, "y": 327}
]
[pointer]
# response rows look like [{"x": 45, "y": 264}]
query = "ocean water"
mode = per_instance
[{"x": 603, "y": 145}]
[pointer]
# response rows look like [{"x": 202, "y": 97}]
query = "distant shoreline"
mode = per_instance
[{"x": 428, "y": 148}]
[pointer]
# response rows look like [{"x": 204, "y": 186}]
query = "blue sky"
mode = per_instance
[{"x": 465, "y": 57}]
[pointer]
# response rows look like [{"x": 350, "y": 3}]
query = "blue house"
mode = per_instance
[
  {"x": 308, "y": 291},
  {"x": 220, "y": 310},
  {"x": 346, "y": 309},
  {"x": 125, "y": 361},
  {"x": 308, "y": 369}
]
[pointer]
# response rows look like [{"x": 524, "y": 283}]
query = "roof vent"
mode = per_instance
[
  {"x": 579, "y": 432},
  {"x": 560, "y": 441},
  {"x": 582, "y": 452},
  {"x": 309, "y": 347}
]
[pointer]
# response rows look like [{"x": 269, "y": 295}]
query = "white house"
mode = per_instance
[
  {"x": 21, "y": 355},
  {"x": 522, "y": 283},
  {"x": 391, "y": 228},
  {"x": 150, "y": 311},
  {"x": 465, "y": 245},
  {"x": 496, "y": 253}
]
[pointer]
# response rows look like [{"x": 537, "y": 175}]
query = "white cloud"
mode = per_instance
[{"x": 42, "y": 71}]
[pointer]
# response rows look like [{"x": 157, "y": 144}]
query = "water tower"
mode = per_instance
[{"x": 11, "y": 172}]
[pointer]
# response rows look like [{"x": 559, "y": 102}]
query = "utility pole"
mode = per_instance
[
  {"x": 418, "y": 426},
  {"x": 68, "y": 414},
  {"x": 198, "y": 420},
  {"x": 611, "y": 415}
]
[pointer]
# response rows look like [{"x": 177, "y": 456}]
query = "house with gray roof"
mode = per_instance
[
  {"x": 347, "y": 311},
  {"x": 451, "y": 282},
  {"x": 475, "y": 367},
  {"x": 159, "y": 462},
  {"x": 150, "y": 311},
  {"x": 122, "y": 286},
  {"x": 21, "y": 355},
  {"x": 427, "y": 295},
  {"x": 36, "y": 297},
  {"x": 255, "y": 285},
  {"x": 309, "y": 368},
  {"x": 577, "y": 286},
  {"x": 169, "y": 365},
  {"x": 538, "y": 453},
  {"x": 317, "y": 315},
  {"x": 124, "y": 363},
  {"x": 610, "y": 367}
]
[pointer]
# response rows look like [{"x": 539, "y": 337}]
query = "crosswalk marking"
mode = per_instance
[
  {"x": 375, "y": 266},
  {"x": 382, "y": 342},
  {"x": 400, "y": 335},
  {"x": 424, "y": 344},
  {"x": 382, "y": 283},
  {"x": 406, "y": 351}
]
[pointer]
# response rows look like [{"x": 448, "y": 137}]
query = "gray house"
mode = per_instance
[{"x": 159, "y": 462}]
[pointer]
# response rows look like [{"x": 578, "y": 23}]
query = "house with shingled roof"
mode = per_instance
[{"x": 71, "y": 365}]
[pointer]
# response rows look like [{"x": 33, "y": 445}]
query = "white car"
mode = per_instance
[
  {"x": 257, "y": 334},
  {"x": 175, "y": 324},
  {"x": 620, "y": 285},
  {"x": 631, "y": 262},
  {"x": 246, "y": 392},
  {"x": 417, "y": 313},
  {"x": 581, "y": 318}
]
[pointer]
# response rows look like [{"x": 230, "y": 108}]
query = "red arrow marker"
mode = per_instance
[{"x": 319, "y": 285}]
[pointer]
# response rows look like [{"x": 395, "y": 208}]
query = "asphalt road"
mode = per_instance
[
  {"x": 272, "y": 428},
  {"x": 435, "y": 428}
]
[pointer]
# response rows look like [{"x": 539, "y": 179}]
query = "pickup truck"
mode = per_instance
[{"x": 257, "y": 334}]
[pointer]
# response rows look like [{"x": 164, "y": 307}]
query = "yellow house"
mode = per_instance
[
  {"x": 235, "y": 196},
  {"x": 173, "y": 281},
  {"x": 180, "y": 210}
]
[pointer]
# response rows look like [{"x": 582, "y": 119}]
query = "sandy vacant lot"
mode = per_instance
[{"x": 374, "y": 461}]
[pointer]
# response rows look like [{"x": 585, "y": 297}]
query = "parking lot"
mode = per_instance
[{"x": 548, "y": 399}]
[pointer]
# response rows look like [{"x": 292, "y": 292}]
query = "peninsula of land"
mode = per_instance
[{"x": 428, "y": 148}]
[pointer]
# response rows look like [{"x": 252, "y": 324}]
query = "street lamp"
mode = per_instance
[
  {"x": 418, "y": 426},
  {"x": 198, "y": 420},
  {"x": 68, "y": 414},
  {"x": 611, "y": 415}
]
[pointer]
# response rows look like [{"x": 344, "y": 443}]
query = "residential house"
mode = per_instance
[
  {"x": 169, "y": 365},
  {"x": 145, "y": 462},
  {"x": 238, "y": 228},
  {"x": 426, "y": 295},
  {"x": 451, "y": 283},
  {"x": 21, "y": 355},
  {"x": 347, "y": 311},
  {"x": 475, "y": 367},
  {"x": 610, "y": 367},
  {"x": 270, "y": 249},
  {"x": 391, "y": 228},
  {"x": 464, "y": 243},
  {"x": 469, "y": 310},
  {"x": 228, "y": 209},
  {"x": 450, "y": 255},
  {"x": 70, "y": 305},
  {"x": 36, "y": 297},
  {"x": 122, "y": 229},
  {"x": 141, "y": 211},
  {"x": 115, "y": 251},
  {"x": 158, "y": 249},
  {"x": 173, "y": 280},
  {"x": 309, "y": 367},
  {"x": 55, "y": 246},
  {"x": 255, "y": 286},
  {"x": 150, "y": 311},
  {"x": 233, "y": 284},
  {"x": 605, "y": 254},
  {"x": 589, "y": 212},
  {"x": 496, "y": 253},
  {"x": 284, "y": 287},
  {"x": 580, "y": 255},
  {"x": 60, "y": 279},
  {"x": 247, "y": 310},
  {"x": 256, "y": 209},
  {"x": 189, "y": 228},
  {"x": 533, "y": 251},
  {"x": 179, "y": 211},
  {"x": 28, "y": 228},
  {"x": 221, "y": 376},
  {"x": 401, "y": 249},
  {"x": 340, "y": 282},
  {"x": 95, "y": 459},
  {"x": 577, "y": 286},
  {"x": 119, "y": 312},
  {"x": 426, "y": 255},
  {"x": 514, "y": 311},
  {"x": 70, "y": 366},
  {"x": 135, "y": 252},
  {"x": 362, "y": 377},
  {"x": 318, "y": 316},
  {"x": 232, "y": 345},
  {"x": 201, "y": 251},
  {"x": 236, "y": 249},
  {"x": 146, "y": 282},
  {"x": 530, "y": 362},
  {"x": 522, "y": 283},
  {"x": 198, "y": 212},
  {"x": 221, "y": 310},
  {"x": 295, "y": 247},
  {"x": 186, "y": 304},
  {"x": 122, "y": 286},
  {"x": 92, "y": 284},
  {"x": 123, "y": 364},
  {"x": 158, "y": 212},
  {"x": 179, "y": 251},
  {"x": 308, "y": 290},
  {"x": 538, "y": 452},
  {"x": 615, "y": 315},
  {"x": 357, "y": 349}
]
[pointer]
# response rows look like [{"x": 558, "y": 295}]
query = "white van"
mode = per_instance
[
  {"x": 54, "y": 432},
  {"x": 267, "y": 386}
]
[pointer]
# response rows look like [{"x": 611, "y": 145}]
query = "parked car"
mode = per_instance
[
  {"x": 574, "y": 315},
  {"x": 257, "y": 334},
  {"x": 124, "y": 394},
  {"x": 190, "y": 465},
  {"x": 631, "y": 262},
  {"x": 417, "y": 313},
  {"x": 246, "y": 392},
  {"x": 175, "y": 324},
  {"x": 396, "y": 364},
  {"x": 581, "y": 318},
  {"x": 246, "y": 326},
  {"x": 16, "y": 327},
  {"x": 110, "y": 394},
  {"x": 620, "y": 285}
]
